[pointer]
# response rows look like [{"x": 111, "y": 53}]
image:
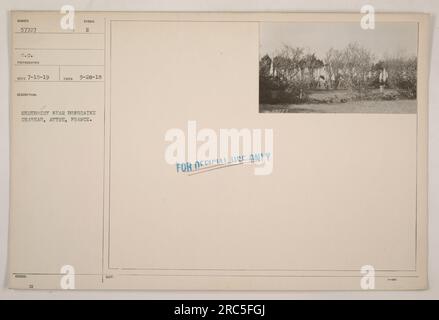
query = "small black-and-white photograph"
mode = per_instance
[{"x": 338, "y": 67}]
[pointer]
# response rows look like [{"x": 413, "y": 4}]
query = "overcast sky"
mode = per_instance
[{"x": 388, "y": 38}]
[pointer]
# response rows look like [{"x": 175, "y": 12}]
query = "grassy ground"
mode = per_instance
[
  {"x": 339, "y": 101},
  {"x": 394, "y": 106}
]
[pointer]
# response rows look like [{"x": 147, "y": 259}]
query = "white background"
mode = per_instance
[{"x": 425, "y": 6}]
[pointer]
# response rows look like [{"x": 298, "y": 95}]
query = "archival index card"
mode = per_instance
[{"x": 218, "y": 151}]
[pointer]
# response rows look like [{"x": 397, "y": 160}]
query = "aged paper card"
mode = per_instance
[{"x": 218, "y": 151}]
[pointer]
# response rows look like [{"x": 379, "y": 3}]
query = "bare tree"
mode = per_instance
[
  {"x": 358, "y": 63},
  {"x": 352, "y": 65},
  {"x": 311, "y": 63},
  {"x": 334, "y": 65},
  {"x": 287, "y": 62},
  {"x": 402, "y": 73}
]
